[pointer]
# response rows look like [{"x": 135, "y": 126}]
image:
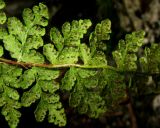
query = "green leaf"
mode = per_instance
[
  {"x": 66, "y": 46},
  {"x": 33, "y": 56},
  {"x": 41, "y": 111},
  {"x": 11, "y": 93},
  {"x": 2, "y": 4},
  {"x": 12, "y": 116},
  {"x": 56, "y": 116},
  {"x": 39, "y": 16},
  {"x": 2, "y": 101},
  {"x": 50, "y": 103},
  {"x": 125, "y": 55},
  {"x": 11, "y": 113},
  {"x": 85, "y": 54},
  {"x": 86, "y": 101},
  {"x": 3, "y": 32},
  {"x": 9, "y": 96},
  {"x": 115, "y": 89},
  {"x": 85, "y": 73},
  {"x": 9, "y": 75},
  {"x": 76, "y": 95},
  {"x": 49, "y": 86},
  {"x": 27, "y": 79},
  {"x": 74, "y": 32},
  {"x": 103, "y": 30},
  {"x": 37, "y": 30},
  {"x": 24, "y": 39},
  {"x": 31, "y": 96},
  {"x": 91, "y": 82},
  {"x": 28, "y": 17},
  {"x": 150, "y": 61},
  {"x": 101, "y": 33},
  {"x": 13, "y": 45},
  {"x": 46, "y": 74},
  {"x": 99, "y": 59},
  {"x": 1, "y": 51},
  {"x": 16, "y": 28},
  {"x": 50, "y": 52},
  {"x": 69, "y": 55},
  {"x": 96, "y": 104},
  {"x": 69, "y": 79},
  {"x": 33, "y": 42},
  {"x": 3, "y": 17},
  {"x": 57, "y": 38}
]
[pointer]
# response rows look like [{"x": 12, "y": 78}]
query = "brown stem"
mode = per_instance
[
  {"x": 28, "y": 65},
  {"x": 131, "y": 112},
  {"x": 132, "y": 115},
  {"x": 22, "y": 64}
]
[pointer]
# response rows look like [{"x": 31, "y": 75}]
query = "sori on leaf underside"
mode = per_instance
[{"x": 36, "y": 66}]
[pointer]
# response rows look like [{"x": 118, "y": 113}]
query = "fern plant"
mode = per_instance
[{"x": 37, "y": 67}]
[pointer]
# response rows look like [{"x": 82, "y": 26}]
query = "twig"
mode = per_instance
[
  {"x": 52, "y": 66},
  {"x": 131, "y": 112},
  {"x": 132, "y": 115},
  {"x": 22, "y": 64}
]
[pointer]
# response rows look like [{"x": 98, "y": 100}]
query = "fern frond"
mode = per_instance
[
  {"x": 65, "y": 47},
  {"x": 125, "y": 55},
  {"x": 150, "y": 61},
  {"x": 44, "y": 90},
  {"x": 2, "y": 4},
  {"x": 1, "y": 51},
  {"x": 115, "y": 90},
  {"x": 23, "y": 39},
  {"x": 67, "y": 63},
  {"x": 50, "y": 103},
  {"x": 9, "y": 96},
  {"x": 69, "y": 79},
  {"x": 3, "y": 17},
  {"x": 94, "y": 54},
  {"x": 86, "y": 101}
]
